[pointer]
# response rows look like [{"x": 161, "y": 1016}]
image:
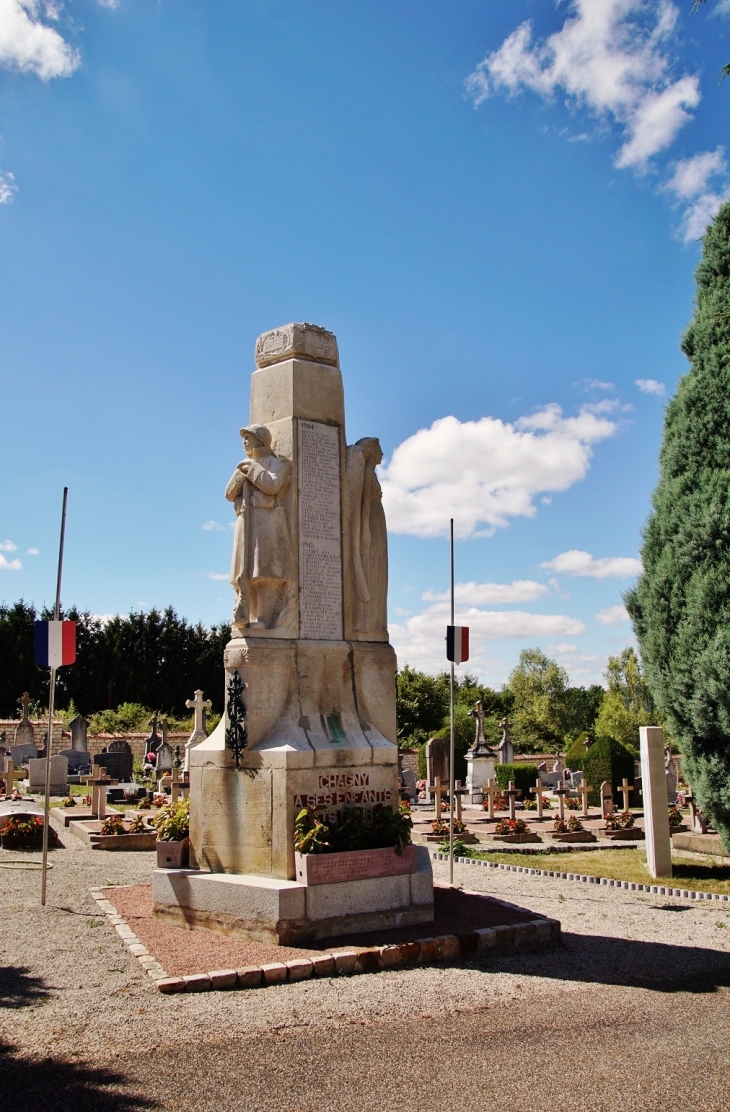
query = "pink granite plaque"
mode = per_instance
[{"x": 360, "y": 864}]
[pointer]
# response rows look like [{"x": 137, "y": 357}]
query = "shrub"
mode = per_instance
[
  {"x": 524, "y": 776},
  {"x": 387, "y": 828},
  {"x": 608, "y": 760},
  {"x": 560, "y": 826},
  {"x": 511, "y": 826},
  {"x": 460, "y": 850},
  {"x": 574, "y": 824},
  {"x": 173, "y": 822},
  {"x": 576, "y": 753},
  {"x": 571, "y": 803},
  {"x": 113, "y": 825}
]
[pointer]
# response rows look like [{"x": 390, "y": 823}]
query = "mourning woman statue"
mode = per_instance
[
  {"x": 368, "y": 539},
  {"x": 261, "y": 568}
]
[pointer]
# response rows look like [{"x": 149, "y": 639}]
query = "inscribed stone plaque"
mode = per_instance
[{"x": 320, "y": 536}]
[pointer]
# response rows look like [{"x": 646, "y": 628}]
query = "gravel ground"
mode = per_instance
[{"x": 632, "y": 1012}]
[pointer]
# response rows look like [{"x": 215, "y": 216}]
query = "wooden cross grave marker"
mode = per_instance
[
  {"x": 490, "y": 791},
  {"x": 99, "y": 784},
  {"x": 537, "y": 792}
]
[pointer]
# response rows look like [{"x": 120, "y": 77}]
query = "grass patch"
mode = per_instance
[{"x": 622, "y": 865}]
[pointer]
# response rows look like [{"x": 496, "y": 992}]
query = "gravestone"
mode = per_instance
[
  {"x": 23, "y": 753},
  {"x": 123, "y": 748},
  {"x": 78, "y": 728},
  {"x": 606, "y": 798},
  {"x": 59, "y": 775},
  {"x": 671, "y": 774},
  {"x": 480, "y": 759},
  {"x": 309, "y": 674},
  {"x": 152, "y": 741},
  {"x": 437, "y": 761},
  {"x": 506, "y": 748},
  {"x": 165, "y": 759},
  {"x": 79, "y": 762},
  {"x": 118, "y": 765},
  {"x": 654, "y": 781},
  {"x": 24, "y": 736},
  {"x": 198, "y": 705}
]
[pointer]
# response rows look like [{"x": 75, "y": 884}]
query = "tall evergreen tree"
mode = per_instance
[{"x": 681, "y": 604}]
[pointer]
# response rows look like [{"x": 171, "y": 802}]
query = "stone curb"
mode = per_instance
[
  {"x": 629, "y": 885},
  {"x": 536, "y": 934},
  {"x": 137, "y": 949}
]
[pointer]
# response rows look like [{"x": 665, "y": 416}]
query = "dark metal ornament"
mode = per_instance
[{"x": 236, "y": 733}]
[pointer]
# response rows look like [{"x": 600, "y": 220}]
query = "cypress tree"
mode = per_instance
[{"x": 680, "y": 606}]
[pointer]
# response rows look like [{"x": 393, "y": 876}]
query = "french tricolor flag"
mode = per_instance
[
  {"x": 457, "y": 643},
  {"x": 55, "y": 643}
]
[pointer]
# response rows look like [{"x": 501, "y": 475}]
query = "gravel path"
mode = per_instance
[{"x": 631, "y": 1012}]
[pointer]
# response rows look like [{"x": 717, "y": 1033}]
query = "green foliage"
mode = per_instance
[
  {"x": 524, "y": 776},
  {"x": 464, "y": 734},
  {"x": 581, "y": 708},
  {"x": 628, "y": 703},
  {"x": 576, "y": 753},
  {"x": 353, "y": 831},
  {"x": 127, "y": 718},
  {"x": 173, "y": 822},
  {"x": 422, "y": 704},
  {"x": 681, "y": 605},
  {"x": 156, "y": 659},
  {"x": 539, "y": 716},
  {"x": 608, "y": 760}
]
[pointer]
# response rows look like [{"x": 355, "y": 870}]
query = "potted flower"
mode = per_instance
[
  {"x": 22, "y": 832},
  {"x": 173, "y": 835}
]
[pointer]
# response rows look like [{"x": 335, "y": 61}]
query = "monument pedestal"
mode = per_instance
[{"x": 287, "y": 912}]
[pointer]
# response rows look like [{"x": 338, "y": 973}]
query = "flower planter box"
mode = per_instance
[
  {"x": 359, "y": 864},
  {"x": 574, "y": 836},
  {"x": 633, "y": 834},
  {"x": 22, "y": 841},
  {"x": 517, "y": 838},
  {"x": 467, "y": 838},
  {"x": 172, "y": 855}
]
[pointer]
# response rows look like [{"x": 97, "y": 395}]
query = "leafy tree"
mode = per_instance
[
  {"x": 628, "y": 703},
  {"x": 581, "y": 708},
  {"x": 681, "y": 604},
  {"x": 420, "y": 705},
  {"x": 539, "y": 716}
]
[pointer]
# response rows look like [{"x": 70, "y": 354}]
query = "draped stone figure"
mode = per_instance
[
  {"x": 262, "y": 563},
  {"x": 368, "y": 539}
]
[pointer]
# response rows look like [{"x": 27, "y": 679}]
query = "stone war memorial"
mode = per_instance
[{"x": 309, "y": 677}]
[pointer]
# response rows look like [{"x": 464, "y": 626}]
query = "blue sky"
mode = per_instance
[{"x": 494, "y": 204}]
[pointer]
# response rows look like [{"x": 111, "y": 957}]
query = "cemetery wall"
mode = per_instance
[
  {"x": 39, "y": 728},
  {"x": 409, "y": 760},
  {"x": 96, "y": 742}
]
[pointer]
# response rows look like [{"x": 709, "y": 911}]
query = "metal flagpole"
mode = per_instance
[
  {"x": 451, "y": 743},
  {"x": 51, "y": 698}
]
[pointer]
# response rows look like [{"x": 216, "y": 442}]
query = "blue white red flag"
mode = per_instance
[
  {"x": 457, "y": 643},
  {"x": 55, "y": 643}
]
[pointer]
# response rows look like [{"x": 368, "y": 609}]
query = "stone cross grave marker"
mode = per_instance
[
  {"x": 99, "y": 784},
  {"x": 438, "y": 789},
  {"x": 584, "y": 789},
  {"x": 626, "y": 790},
  {"x": 458, "y": 792},
  {"x": 175, "y": 782},
  {"x": 511, "y": 794},
  {"x": 198, "y": 706},
  {"x": 606, "y": 799},
  {"x": 537, "y": 792},
  {"x": 561, "y": 791},
  {"x": 491, "y": 791},
  {"x": 24, "y": 734}
]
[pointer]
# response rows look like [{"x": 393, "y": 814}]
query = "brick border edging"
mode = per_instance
[
  {"x": 535, "y": 934},
  {"x": 630, "y": 885}
]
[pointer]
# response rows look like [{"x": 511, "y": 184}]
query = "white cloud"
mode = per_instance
[
  {"x": 613, "y": 615},
  {"x": 218, "y": 575},
  {"x": 213, "y": 527},
  {"x": 33, "y": 551},
  {"x": 583, "y": 666},
  {"x": 690, "y": 185},
  {"x": 576, "y": 562},
  {"x": 28, "y": 45},
  {"x": 8, "y": 188},
  {"x": 650, "y": 386},
  {"x": 420, "y": 641},
  {"x": 611, "y": 57},
  {"x": 597, "y": 384},
  {"x": 476, "y": 594},
  {"x": 8, "y": 546},
  {"x": 113, "y": 5},
  {"x": 484, "y": 472},
  {"x": 9, "y": 565}
]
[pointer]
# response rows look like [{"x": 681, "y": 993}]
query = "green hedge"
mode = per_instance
[
  {"x": 524, "y": 776},
  {"x": 607, "y": 759},
  {"x": 576, "y": 753}
]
